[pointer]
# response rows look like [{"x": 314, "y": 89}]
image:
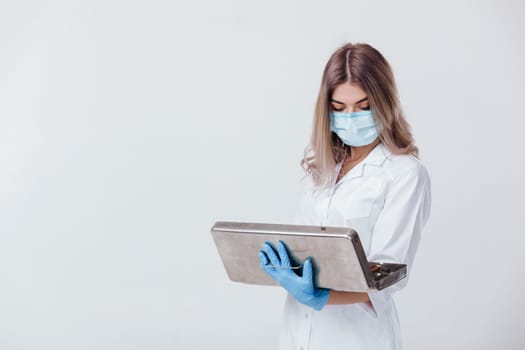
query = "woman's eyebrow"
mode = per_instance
[{"x": 361, "y": 100}]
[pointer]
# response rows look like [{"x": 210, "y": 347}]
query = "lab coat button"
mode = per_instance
[{"x": 305, "y": 315}]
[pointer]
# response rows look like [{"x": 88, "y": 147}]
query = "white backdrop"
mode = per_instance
[{"x": 127, "y": 128}]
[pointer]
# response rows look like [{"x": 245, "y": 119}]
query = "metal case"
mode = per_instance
[{"x": 339, "y": 260}]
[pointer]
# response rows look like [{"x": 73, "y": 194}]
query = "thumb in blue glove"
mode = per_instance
[{"x": 302, "y": 288}]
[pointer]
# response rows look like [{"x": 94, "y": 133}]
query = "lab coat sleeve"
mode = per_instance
[{"x": 398, "y": 228}]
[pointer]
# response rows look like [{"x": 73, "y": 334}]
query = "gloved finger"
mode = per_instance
[
  {"x": 265, "y": 263},
  {"x": 263, "y": 258},
  {"x": 283, "y": 254},
  {"x": 307, "y": 271},
  {"x": 270, "y": 253}
]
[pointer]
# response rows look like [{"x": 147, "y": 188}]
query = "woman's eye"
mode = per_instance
[
  {"x": 337, "y": 109},
  {"x": 365, "y": 108}
]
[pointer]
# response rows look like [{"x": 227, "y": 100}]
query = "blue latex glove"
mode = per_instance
[{"x": 301, "y": 287}]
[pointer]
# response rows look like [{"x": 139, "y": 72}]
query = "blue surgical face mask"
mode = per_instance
[{"x": 354, "y": 129}]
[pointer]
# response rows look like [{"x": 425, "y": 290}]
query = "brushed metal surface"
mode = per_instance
[{"x": 338, "y": 257}]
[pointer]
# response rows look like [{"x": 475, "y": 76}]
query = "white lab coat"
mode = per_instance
[{"x": 386, "y": 199}]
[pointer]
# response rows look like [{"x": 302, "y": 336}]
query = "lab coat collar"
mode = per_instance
[{"x": 376, "y": 157}]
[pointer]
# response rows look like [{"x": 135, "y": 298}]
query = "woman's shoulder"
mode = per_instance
[{"x": 401, "y": 165}]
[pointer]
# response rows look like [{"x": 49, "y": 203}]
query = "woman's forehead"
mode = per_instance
[{"x": 348, "y": 93}]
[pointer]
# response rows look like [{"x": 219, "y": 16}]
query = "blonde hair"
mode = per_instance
[{"x": 363, "y": 65}]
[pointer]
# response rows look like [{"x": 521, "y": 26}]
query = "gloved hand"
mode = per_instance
[{"x": 301, "y": 287}]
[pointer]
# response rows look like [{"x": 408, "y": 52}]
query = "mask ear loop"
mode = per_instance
[{"x": 377, "y": 123}]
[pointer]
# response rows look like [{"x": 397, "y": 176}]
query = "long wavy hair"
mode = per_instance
[{"x": 363, "y": 65}]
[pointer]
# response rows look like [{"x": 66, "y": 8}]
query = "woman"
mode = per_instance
[{"x": 363, "y": 172}]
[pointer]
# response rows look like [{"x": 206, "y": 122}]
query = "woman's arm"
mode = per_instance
[
  {"x": 397, "y": 230},
  {"x": 338, "y": 297}
]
